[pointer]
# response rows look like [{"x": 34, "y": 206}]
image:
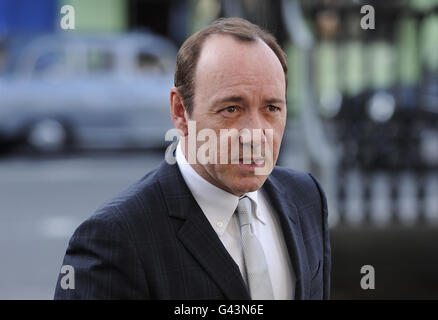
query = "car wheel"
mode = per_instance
[{"x": 47, "y": 136}]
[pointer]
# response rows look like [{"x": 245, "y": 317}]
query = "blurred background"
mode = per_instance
[{"x": 83, "y": 114}]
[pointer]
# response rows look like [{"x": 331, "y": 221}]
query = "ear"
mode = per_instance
[{"x": 178, "y": 112}]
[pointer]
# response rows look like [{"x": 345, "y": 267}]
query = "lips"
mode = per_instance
[{"x": 257, "y": 162}]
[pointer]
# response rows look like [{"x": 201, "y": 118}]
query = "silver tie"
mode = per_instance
[{"x": 259, "y": 282}]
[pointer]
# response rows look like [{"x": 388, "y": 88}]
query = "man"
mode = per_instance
[{"x": 208, "y": 229}]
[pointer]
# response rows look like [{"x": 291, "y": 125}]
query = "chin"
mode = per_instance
[
  {"x": 235, "y": 180},
  {"x": 247, "y": 184}
]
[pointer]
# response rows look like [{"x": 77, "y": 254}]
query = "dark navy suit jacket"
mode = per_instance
[{"x": 154, "y": 242}]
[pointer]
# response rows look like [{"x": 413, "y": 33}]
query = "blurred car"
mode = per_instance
[{"x": 88, "y": 91}]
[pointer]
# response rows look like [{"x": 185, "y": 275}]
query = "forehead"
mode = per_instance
[{"x": 227, "y": 62}]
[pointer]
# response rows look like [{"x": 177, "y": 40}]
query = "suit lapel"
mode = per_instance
[
  {"x": 201, "y": 240},
  {"x": 290, "y": 222},
  {"x": 197, "y": 235}
]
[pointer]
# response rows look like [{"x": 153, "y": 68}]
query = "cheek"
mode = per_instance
[
  {"x": 206, "y": 119},
  {"x": 277, "y": 141},
  {"x": 278, "y": 135},
  {"x": 273, "y": 141}
]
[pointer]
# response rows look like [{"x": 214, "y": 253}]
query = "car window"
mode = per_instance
[
  {"x": 50, "y": 63},
  {"x": 149, "y": 63},
  {"x": 2, "y": 56},
  {"x": 100, "y": 61}
]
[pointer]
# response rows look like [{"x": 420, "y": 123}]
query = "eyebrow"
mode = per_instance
[
  {"x": 274, "y": 100},
  {"x": 241, "y": 99}
]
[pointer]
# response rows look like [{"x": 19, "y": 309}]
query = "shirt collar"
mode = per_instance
[
  {"x": 258, "y": 213},
  {"x": 218, "y": 205}
]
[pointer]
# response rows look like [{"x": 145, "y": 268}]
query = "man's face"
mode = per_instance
[{"x": 239, "y": 85}]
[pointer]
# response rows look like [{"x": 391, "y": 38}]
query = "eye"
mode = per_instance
[
  {"x": 272, "y": 108},
  {"x": 231, "y": 109}
]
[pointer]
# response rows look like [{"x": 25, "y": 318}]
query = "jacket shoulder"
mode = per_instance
[
  {"x": 143, "y": 196},
  {"x": 303, "y": 187}
]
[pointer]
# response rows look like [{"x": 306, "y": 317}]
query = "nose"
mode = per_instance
[
  {"x": 254, "y": 137},
  {"x": 253, "y": 131}
]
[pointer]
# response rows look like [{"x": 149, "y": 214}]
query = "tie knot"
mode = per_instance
[{"x": 244, "y": 211}]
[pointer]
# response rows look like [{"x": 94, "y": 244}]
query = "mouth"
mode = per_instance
[{"x": 253, "y": 163}]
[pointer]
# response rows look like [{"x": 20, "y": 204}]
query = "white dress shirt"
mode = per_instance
[{"x": 219, "y": 207}]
